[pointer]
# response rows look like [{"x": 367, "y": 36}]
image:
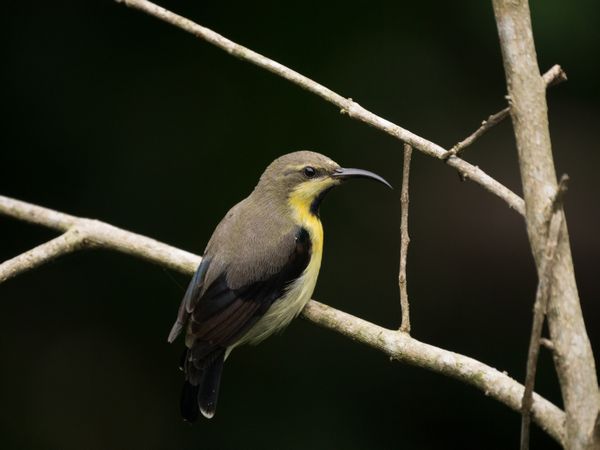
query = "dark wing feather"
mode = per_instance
[
  {"x": 219, "y": 314},
  {"x": 186, "y": 306}
]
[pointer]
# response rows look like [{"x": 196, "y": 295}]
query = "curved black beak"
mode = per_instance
[{"x": 344, "y": 173}]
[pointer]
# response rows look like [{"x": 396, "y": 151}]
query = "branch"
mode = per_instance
[
  {"x": 346, "y": 105},
  {"x": 103, "y": 235},
  {"x": 404, "y": 240},
  {"x": 552, "y": 77},
  {"x": 555, "y": 75},
  {"x": 397, "y": 345},
  {"x": 490, "y": 122},
  {"x": 68, "y": 242},
  {"x": 539, "y": 309},
  {"x": 403, "y": 348},
  {"x": 573, "y": 355}
]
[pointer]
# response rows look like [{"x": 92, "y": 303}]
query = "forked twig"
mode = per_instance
[{"x": 552, "y": 77}]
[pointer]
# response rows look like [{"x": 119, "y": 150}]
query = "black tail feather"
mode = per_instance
[
  {"x": 201, "y": 388},
  {"x": 209, "y": 389}
]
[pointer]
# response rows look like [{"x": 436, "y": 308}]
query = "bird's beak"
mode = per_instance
[{"x": 344, "y": 173}]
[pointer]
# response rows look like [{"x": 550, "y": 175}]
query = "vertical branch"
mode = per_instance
[
  {"x": 404, "y": 240},
  {"x": 573, "y": 355},
  {"x": 539, "y": 310}
]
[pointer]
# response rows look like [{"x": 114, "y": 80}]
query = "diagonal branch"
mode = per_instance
[
  {"x": 552, "y": 77},
  {"x": 404, "y": 240},
  {"x": 396, "y": 345},
  {"x": 403, "y": 348},
  {"x": 539, "y": 308},
  {"x": 346, "y": 105},
  {"x": 68, "y": 242}
]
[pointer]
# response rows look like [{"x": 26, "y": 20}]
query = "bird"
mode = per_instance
[{"x": 258, "y": 271}]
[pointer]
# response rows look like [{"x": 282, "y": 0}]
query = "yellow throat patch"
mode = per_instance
[
  {"x": 281, "y": 313},
  {"x": 300, "y": 201}
]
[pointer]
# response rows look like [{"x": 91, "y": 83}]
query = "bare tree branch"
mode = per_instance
[
  {"x": 489, "y": 123},
  {"x": 539, "y": 309},
  {"x": 404, "y": 240},
  {"x": 526, "y": 89},
  {"x": 68, "y": 242},
  {"x": 346, "y": 105},
  {"x": 397, "y": 345},
  {"x": 403, "y": 348},
  {"x": 552, "y": 77},
  {"x": 102, "y": 235}
]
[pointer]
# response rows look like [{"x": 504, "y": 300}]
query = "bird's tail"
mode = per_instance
[{"x": 201, "y": 388}]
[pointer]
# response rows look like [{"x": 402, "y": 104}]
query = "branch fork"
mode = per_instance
[{"x": 552, "y": 77}]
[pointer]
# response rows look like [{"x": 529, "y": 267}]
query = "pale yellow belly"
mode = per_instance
[
  {"x": 286, "y": 308},
  {"x": 297, "y": 295}
]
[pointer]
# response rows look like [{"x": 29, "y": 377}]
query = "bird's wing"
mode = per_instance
[
  {"x": 220, "y": 311},
  {"x": 187, "y": 304}
]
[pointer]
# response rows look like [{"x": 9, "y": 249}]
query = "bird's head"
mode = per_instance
[{"x": 303, "y": 178}]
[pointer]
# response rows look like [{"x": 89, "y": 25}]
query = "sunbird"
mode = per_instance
[{"x": 257, "y": 273}]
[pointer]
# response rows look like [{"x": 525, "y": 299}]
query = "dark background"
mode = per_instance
[{"x": 114, "y": 115}]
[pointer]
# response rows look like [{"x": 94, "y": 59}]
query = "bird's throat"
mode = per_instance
[
  {"x": 314, "y": 206},
  {"x": 307, "y": 197},
  {"x": 303, "y": 213}
]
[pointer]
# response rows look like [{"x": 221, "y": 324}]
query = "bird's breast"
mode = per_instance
[
  {"x": 299, "y": 291},
  {"x": 289, "y": 306}
]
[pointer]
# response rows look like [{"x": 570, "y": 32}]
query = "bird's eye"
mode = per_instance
[{"x": 309, "y": 172}]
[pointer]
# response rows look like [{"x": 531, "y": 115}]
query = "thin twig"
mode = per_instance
[
  {"x": 346, "y": 105},
  {"x": 552, "y": 77},
  {"x": 68, "y": 242},
  {"x": 540, "y": 306},
  {"x": 404, "y": 240},
  {"x": 490, "y": 122},
  {"x": 541, "y": 301},
  {"x": 398, "y": 346}
]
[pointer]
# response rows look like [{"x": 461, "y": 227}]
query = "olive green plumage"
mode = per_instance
[
  {"x": 258, "y": 270},
  {"x": 263, "y": 221}
]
